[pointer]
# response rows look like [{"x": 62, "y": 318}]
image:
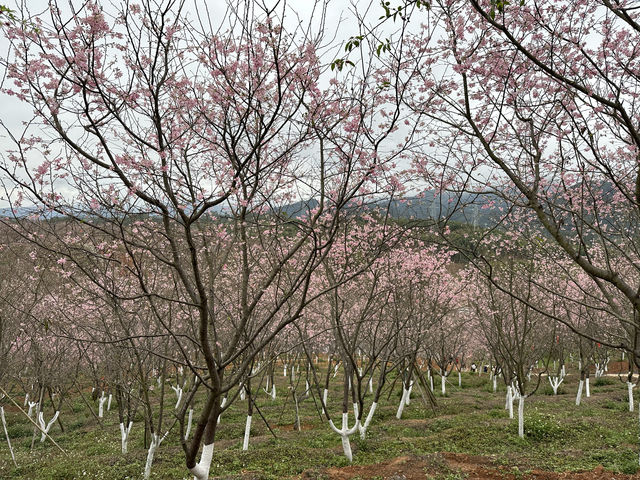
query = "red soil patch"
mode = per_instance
[
  {"x": 470, "y": 467},
  {"x": 289, "y": 427},
  {"x": 621, "y": 367}
]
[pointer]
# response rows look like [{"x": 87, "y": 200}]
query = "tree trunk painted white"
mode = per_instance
[
  {"x": 431, "y": 383},
  {"x": 555, "y": 383},
  {"x": 6, "y": 434},
  {"x": 460, "y": 379},
  {"x": 189, "y": 423},
  {"x": 630, "y": 386},
  {"x": 306, "y": 386},
  {"x": 242, "y": 393},
  {"x": 109, "y": 402},
  {"x": 222, "y": 404},
  {"x": 46, "y": 426},
  {"x": 510, "y": 401},
  {"x": 495, "y": 383},
  {"x": 408, "y": 399},
  {"x": 178, "y": 391},
  {"x": 363, "y": 427},
  {"x": 325, "y": 395},
  {"x": 296, "y": 422},
  {"x": 201, "y": 470},
  {"x": 355, "y": 410},
  {"x": 124, "y": 436},
  {"x": 335, "y": 370},
  {"x": 31, "y": 405},
  {"x": 403, "y": 402},
  {"x": 443, "y": 385},
  {"x": 344, "y": 433},
  {"x": 273, "y": 391},
  {"x": 247, "y": 431},
  {"x": 371, "y": 385},
  {"x": 587, "y": 390},
  {"x": 579, "y": 395},
  {"x": 600, "y": 369},
  {"x": 26, "y": 399},
  {"x": 521, "y": 416},
  {"x": 101, "y": 402},
  {"x": 155, "y": 443},
  {"x": 284, "y": 373}
]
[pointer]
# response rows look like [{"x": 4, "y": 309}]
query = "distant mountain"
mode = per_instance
[{"x": 480, "y": 211}]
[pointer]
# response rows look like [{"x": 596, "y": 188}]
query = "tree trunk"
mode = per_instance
[{"x": 521, "y": 416}]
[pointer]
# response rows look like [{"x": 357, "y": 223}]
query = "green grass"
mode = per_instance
[{"x": 471, "y": 420}]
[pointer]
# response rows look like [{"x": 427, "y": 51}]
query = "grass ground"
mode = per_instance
[{"x": 470, "y": 420}]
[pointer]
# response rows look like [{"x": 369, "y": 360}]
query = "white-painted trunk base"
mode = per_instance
[
  {"x": 521, "y": 416},
  {"x": 408, "y": 400},
  {"x": 344, "y": 433},
  {"x": 155, "y": 443},
  {"x": 579, "y": 395},
  {"x": 247, "y": 432},
  {"x": 201, "y": 470},
  {"x": 189, "y": 422},
  {"x": 46, "y": 426},
  {"x": 101, "y": 402},
  {"x": 363, "y": 427},
  {"x": 6, "y": 434},
  {"x": 124, "y": 436},
  {"x": 403, "y": 402},
  {"x": 178, "y": 391},
  {"x": 222, "y": 404}
]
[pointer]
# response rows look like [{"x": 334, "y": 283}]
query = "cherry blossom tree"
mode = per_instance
[{"x": 178, "y": 146}]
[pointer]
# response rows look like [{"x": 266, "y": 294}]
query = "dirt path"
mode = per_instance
[{"x": 453, "y": 465}]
